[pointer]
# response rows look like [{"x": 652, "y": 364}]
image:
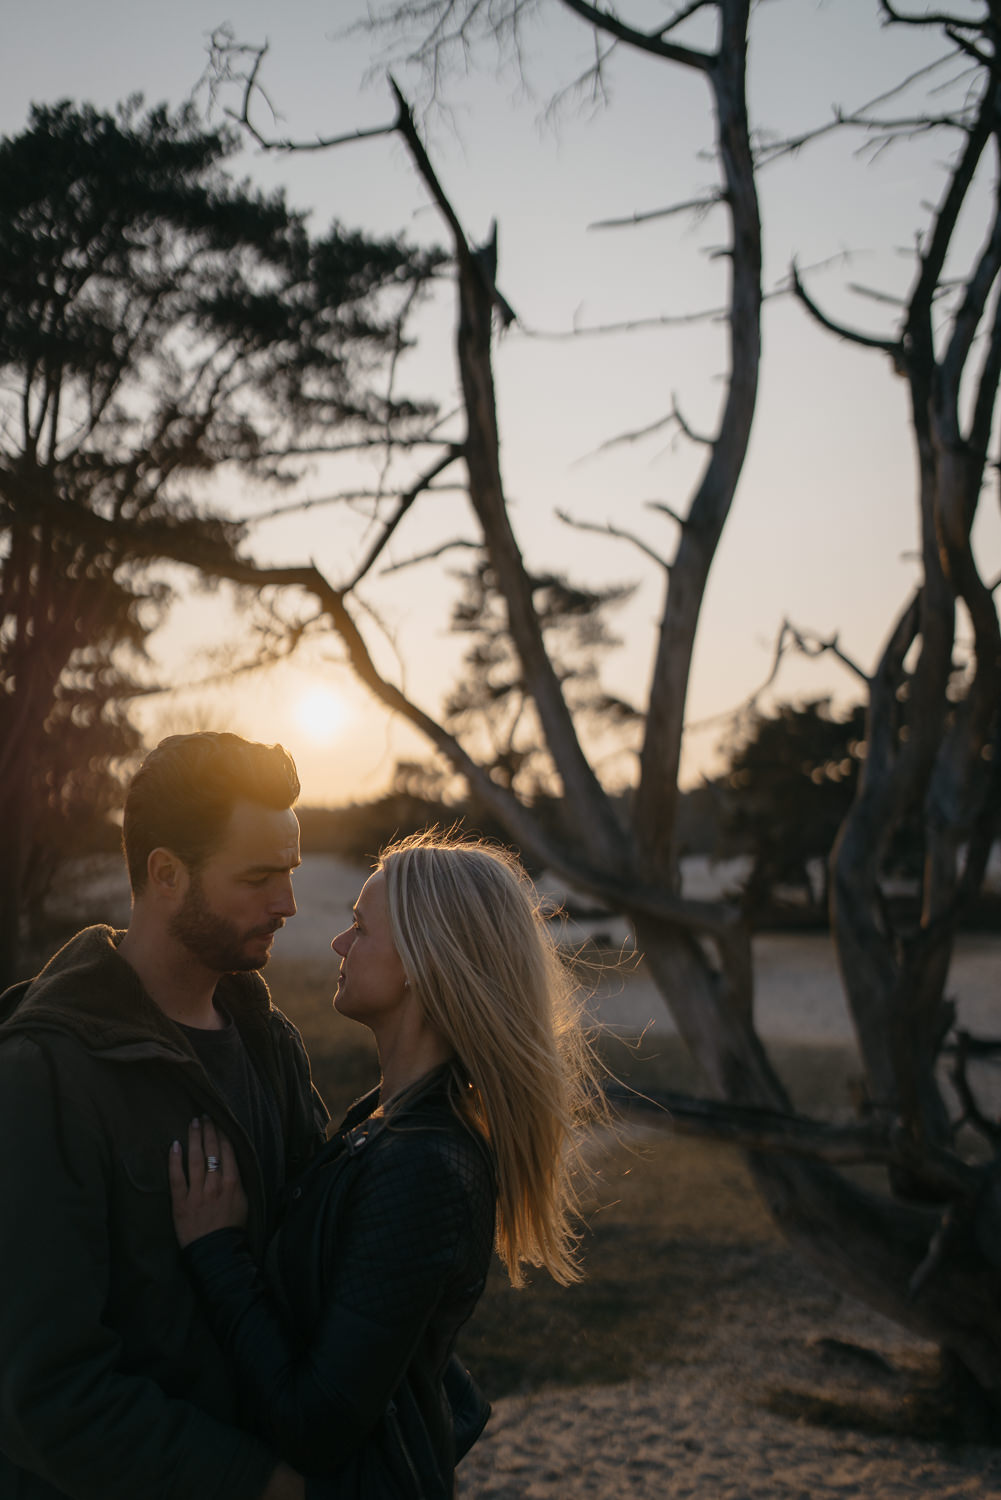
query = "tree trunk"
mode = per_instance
[{"x": 711, "y": 1007}]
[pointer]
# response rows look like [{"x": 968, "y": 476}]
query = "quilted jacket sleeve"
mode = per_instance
[{"x": 406, "y": 1236}]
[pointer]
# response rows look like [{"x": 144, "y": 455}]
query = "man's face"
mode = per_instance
[{"x": 242, "y": 894}]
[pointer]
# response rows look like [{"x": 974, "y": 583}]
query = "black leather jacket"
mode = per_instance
[{"x": 344, "y": 1345}]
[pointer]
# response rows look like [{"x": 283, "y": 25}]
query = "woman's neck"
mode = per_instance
[{"x": 402, "y": 1067}]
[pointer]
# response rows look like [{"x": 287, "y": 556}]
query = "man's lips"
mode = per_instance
[{"x": 266, "y": 934}]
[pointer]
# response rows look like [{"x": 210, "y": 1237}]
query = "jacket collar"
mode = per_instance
[{"x": 89, "y": 991}]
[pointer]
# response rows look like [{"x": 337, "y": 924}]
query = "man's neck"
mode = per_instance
[{"x": 173, "y": 979}]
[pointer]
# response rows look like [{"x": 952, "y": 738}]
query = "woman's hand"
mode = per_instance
[{"x": 212, "y": 1196}]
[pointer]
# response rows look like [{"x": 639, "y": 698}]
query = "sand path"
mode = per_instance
[
  {"x": 721, "y": 1422},
  {"x": 688, "y": 1437}
]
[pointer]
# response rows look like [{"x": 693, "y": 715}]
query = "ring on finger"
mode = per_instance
[{"x": 212, "y": 1163}]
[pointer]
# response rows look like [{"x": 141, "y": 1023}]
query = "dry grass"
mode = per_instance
[{"x": 669, "y": 1227}]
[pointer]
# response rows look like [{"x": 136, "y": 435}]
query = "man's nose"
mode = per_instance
[{"x": 284, "y": 900}]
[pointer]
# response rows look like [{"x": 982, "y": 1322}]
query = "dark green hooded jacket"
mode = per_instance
[{"x": 111, "y": 1385}]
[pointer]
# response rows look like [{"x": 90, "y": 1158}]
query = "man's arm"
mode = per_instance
[{"x": 69, "y": 1412}]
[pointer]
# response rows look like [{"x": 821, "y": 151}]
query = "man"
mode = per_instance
[{"x": 111, "y": 1386}]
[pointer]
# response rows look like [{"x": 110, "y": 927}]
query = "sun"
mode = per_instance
[{"x": 320, "y": 714}]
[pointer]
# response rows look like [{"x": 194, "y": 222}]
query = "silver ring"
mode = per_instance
[{"x": 212, "y": 1163}]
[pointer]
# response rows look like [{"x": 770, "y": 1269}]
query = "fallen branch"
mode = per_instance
[{"x": 756, "y": 1128}]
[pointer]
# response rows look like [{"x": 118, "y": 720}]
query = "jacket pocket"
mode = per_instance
[
  {"x": 146, "y": 1169},
  {"x": 141, "y": 1209}
]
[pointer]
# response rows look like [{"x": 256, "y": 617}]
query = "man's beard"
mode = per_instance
[{"x": 215, "y": 942}]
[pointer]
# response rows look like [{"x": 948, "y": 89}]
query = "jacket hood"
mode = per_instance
[{"x": 90, "y": 992}]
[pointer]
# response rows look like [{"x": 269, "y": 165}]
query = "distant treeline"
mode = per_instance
[{"x": 360, "y": 829}]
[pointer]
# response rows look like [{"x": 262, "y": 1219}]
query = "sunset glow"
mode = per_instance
[{"x": 321, "y": 714}]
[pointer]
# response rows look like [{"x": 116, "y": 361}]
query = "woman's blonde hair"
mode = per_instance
[{"x": 477, "y": 953}]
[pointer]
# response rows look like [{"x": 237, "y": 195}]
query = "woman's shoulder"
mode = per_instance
[
  {"x": 428, "y": 1139},
  {"x": 433, "y": 1181}
]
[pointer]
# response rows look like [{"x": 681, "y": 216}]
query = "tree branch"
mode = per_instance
[
  {"x": 893, "y": 17},
  {"x": 599, "y": 828},
  {"x": 788, "y": 635},
  {"x": 222, "y": 49},
  {"x": 893, "y": 347},
  {"x": 933, "y": 260},
  {"x": 989, "y": 1129},
  {"x": 609, "y": 530},
  {"x": 967, "y": 318},
  {"x": 693, "y": 205},
  {"x": 755, "y": 1128},
  {"x": 655, "y": 805},
  {"x": 813, "y": 645},
  {"x": 403, "y": 506},
  {"x": 342, "y": 497},
  {"x": 422, "y": 557},
  {"x": 627, "y": 325},
  {"x": 667, "y": 510},
  {"x": 652, "y": 42}
]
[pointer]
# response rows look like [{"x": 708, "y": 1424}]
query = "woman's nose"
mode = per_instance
[{"x": 342, "y": 942}]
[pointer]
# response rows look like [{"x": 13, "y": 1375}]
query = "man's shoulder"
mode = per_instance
[
  {"x": 11, "y": 998},
  {"x": 82, "y": 965},
  {"x": 39, "y": 1066},
  {"x": 86, "y": 991}
]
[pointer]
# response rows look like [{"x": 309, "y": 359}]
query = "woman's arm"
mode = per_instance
[{"x": 405, "y": 1232}]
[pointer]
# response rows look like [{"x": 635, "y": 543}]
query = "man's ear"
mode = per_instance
[{"x": 167, "y": 874}]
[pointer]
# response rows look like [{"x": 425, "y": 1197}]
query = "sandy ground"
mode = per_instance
[
  {"x": 722, "y": 1424},
  {"x": 762, "y": 1343},
  {"x": 693, "y": 1435},
  {"x": 725, "y": 1420}
]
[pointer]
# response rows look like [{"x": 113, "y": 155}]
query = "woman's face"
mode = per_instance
[{"x": 372, "y": 982}]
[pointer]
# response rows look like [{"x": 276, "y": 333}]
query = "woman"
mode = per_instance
[{"x": 342, "y": 1346}]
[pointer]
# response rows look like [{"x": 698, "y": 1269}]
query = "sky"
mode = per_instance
[{"x": 823, "y": 526}]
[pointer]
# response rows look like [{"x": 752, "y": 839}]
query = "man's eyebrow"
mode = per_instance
[{"x": 272, "y": 869}]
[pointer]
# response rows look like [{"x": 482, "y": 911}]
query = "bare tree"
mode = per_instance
[
  {"x": 932, "y": 741},
  {"x": 922, "y": 1251}
]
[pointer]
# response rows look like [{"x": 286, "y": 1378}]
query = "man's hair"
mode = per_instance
[{"x": 183, "y": 794}]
